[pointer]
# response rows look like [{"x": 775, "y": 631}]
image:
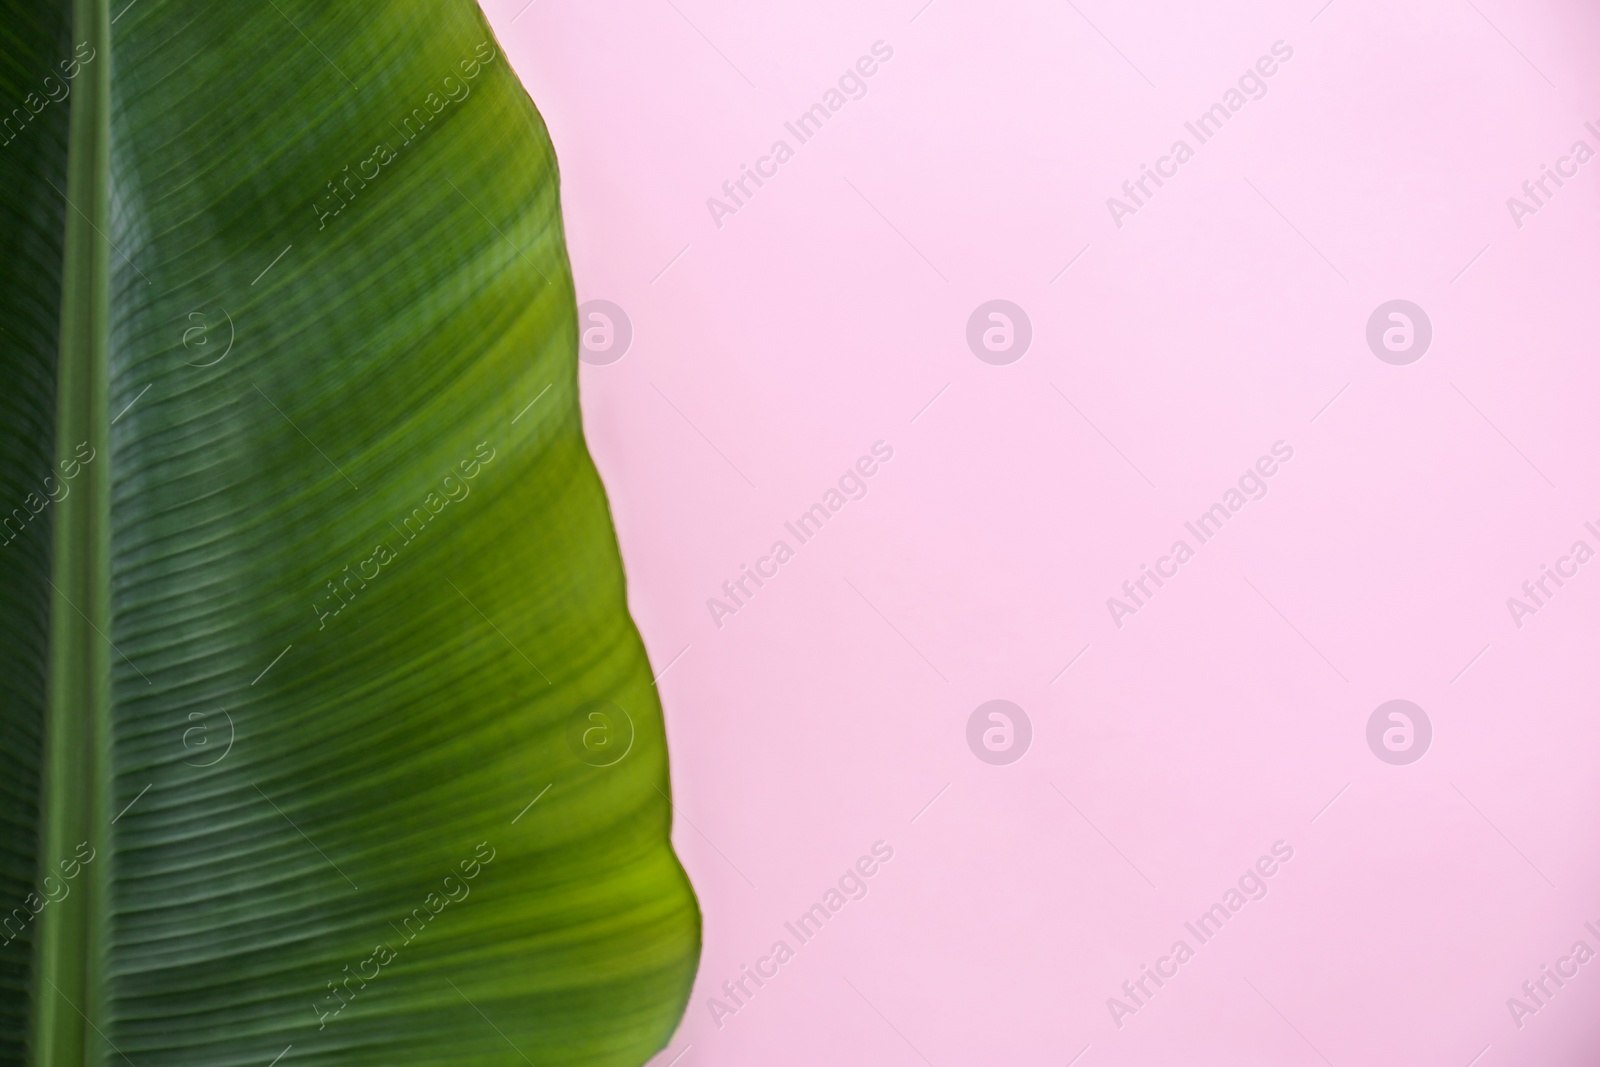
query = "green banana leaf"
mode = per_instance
[{"x": 325, "y": 733}]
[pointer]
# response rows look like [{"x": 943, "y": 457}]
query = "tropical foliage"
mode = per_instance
[{"x": 325, "y": 731}]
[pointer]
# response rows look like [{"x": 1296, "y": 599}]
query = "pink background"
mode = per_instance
[{"x": 1222, "y": 317}]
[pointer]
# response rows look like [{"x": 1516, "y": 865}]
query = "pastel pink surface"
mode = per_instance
[{"x": 1229, "y": 712}]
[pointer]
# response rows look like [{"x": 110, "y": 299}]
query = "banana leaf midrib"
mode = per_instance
[{"x": 77, "y": 729}]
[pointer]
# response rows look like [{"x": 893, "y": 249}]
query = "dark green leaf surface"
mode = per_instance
[
  {"x": 337, "y": 597},
  {"x": 31, "y": 234}
]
